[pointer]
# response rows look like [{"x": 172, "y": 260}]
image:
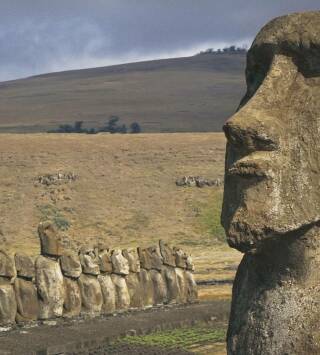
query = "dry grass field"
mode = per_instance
[
  {"x": 171, "y": 95},
  {"x": 125, "y": 193}
]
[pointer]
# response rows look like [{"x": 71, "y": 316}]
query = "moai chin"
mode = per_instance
[{"x": 271, "y": 207}]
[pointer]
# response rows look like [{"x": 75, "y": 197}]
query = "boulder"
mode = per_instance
[
  {"x": 122, "y": 292},
  {"x": 27, "y": 300},
  {"x": 135, "y": 290},
  {"x": 145, "y": 258},
  {"x": 120, "y": 264},
  {"x": 8, "y": 305},
  {"x": 104, "y": 258},
  {"x": 170, "y": 277},
  {"x": 167, "y": 254},
  {"x": 89, "y": 261},
  {"x": 49, "y": 241},
  {"x": 49, "y": 282},
  {"x": 70, "y": 265},
  {"x": 72, "y": 298},
  {"x": 191, "y": 287},
  {"x": 133, "y": 259},
  {"x": 24, "y": 266},
  {"x": 7, "y": 267},
  {"x": 147, "y": 287},
  {"x": 91, "y": 295},
  {"x": 108, "y": 293},
  {"x": 159, "y": 287}
]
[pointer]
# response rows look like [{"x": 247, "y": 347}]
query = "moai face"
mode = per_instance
[
  {"x": 119, "y": 263},
  {"x": 133, "y": 259},
  {"x": 89, "y": 261},
  {"x": 104, "y": 256},
  {"x": 156, "y": 258},
  {"x": 24, "y": 266},
  {"x": 190, "y": 264},
  {"x": 181, "y": 258},
  {"x": 145, "y": 258},
  {"x": 70, "y": 265},
  {"x": 49, "y": 241},
  {"x": 167, "y": 254},
  {"x": 273, "y": 152}
]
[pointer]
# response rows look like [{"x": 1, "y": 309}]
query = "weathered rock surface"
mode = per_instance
[
  {"x": 108, "y": 293},
  {"x": 71, "y": 298},
  {"x": 24, "y": 266},
  {"x": 159, "y": 287},
  {"x": 198, "y": 181},
  {"x": 272, "y": 197},
  {"x": 120, "y": 264},
  {"x": 27, "y": 300},
  {"x": 49, "y": 282},
  {"x": 145, "y": 258},
  {"x": 91, "y": 295},
  {"x": 155, "y": 258},
  {"x": 182, "y": 287},
  {"x": 135, "y": 290},
  {"x": 70, "y": 265},
  {"x": 181, "y": 258},
  {"x": 7, "y": 267},
  {"x": 167, "y": 254},
  {"x": 8, "y": 305},
  {"x": 170, "y": 277},
  {"x": 191, "y": 287},
  {"x": 122, "y": 292},
  {"x": 49, "y": 241},
  {"x": 133, "y": 259},
  {"x": 104, "y": 257},
  {"x": 147, "y": 287},
  {"x": 89, "y": 261}
]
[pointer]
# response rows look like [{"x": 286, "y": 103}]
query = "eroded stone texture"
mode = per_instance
[
  {"x": 70, "y": 265},
  {"x": 49, "y": 240},
  {"x": 89, "y": 261},
  {"x": 24, "y": 266},
  {"x": 167, "y": 254},
  {"x": 147, "y": 287},
  {"x": 7, "y": 267},
  {"x": 271, "y": 208},
  {"x": 104, "y": 257},
  {"x": 8, "y": 305},
  {"x": 191, "y": 287},
  {"x": 49, "y": 282},
  {"x": 133, "y": 259},
  {"x": 156, "y": 261},
  {"x": 108, "y": 293},
  {"x": 120, "y": 264},
  {"x": 91, "y": 295},
  {"x": 135, "y": 290},
  {"x": 72, "y": 297},
  {"x": 122, "y": 292},
  {"x": 182, "y": 287},
  {"x": 145, "y": 258},
  {"x": 159, "y": 287},
  {"x": 180, "y": 258},
  {"x": 170, "y": 277},
  {"x": 26, "y": 299}
]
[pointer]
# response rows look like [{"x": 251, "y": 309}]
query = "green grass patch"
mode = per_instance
[
  {"x": 51, "y": 213},
  {"x": 184, "y": 338}
]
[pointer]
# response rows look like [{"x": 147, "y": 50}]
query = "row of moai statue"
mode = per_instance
[{"x": 91, "y": 282}]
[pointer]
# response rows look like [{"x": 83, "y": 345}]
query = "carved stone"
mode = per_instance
[
  {"x": 72, "y": 298},
  {"x": 159, "y": 287},
  {"x": 27, "y": 300},
  {"x": 7, "y": 267},
  {"x": 133, "y": 259},
  {"x": 108, "y": 293},
  {"x": 24, "y": 266},
  {"x": 191, "y": 287},
  {"x": 8, "y": 305},
  {"x": 49, "y": 281},
  {"x": 170, "y": 277},
  {"x": 89, "y": 261},
  {"x": 49, "y": 241},
  {"x": 182, "y": 287},
  {"x": 156, "y": 261},
  {"x": 70, "y": 265},
  {"x": 135, "y": 290},
  {"x": 122, "y": 292},
  {"x": 180, "y": 258},
  {"x": 104, "y": 257},
  {"x": 147, "y": 287},
  {"x": 167, "y": 254},
  {"x": 145, "y": 258},
  {"x": 120, "y": 264},
  {"x": 91, "y": 295},
  {"x": 271, "y": 207}
]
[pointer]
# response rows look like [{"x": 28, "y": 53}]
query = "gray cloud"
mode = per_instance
[{"x": 38, "y": 36}]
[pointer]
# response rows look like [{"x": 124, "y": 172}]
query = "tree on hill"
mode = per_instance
[{"x": 135, "y": 128}]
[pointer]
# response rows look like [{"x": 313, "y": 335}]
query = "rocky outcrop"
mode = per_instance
[{"x": 271, "y": 196}]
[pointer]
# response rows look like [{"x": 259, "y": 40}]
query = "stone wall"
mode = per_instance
[{"x": 92, "y": 281}]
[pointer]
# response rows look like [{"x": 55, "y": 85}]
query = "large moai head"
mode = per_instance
[
  {"x": 273, "y": 152},
  {"x": 49, "y": 240},
  {"x": 104, "y": 256},
  {"x": 167, "y": 254},
  {"x": 120, "y": 264},
  {"x": 89, "y": 261},
  {"x": 133, "y": 259}
]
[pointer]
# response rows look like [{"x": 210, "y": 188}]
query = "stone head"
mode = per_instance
[
  {"x": 133, "y": 259},
  {"x": 273, "y": 153},
  {"x": 167, "y": 254},
  {"x": 181, "y": 258},
  {"x": 190, "y": 263},
  {"x": 120, "y": 264},
  {"x": 49, "y": 240},
  {"x": 89, "y": 261},
  {"x": 24, "y": 265},
  {"x": 70, "y": 265},
  {"x": 104, "y": 256},
  {"x": 155, "y": 258},
  {"x": 145, "y": 258}
]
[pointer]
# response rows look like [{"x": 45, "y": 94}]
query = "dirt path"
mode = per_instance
[{"x": 79, "y": 336}]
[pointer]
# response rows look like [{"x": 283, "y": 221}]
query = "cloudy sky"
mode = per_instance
[{"x": 38, "y": 36}]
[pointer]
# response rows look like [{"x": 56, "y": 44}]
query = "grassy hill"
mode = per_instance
[{"x": 192, "y": 94}]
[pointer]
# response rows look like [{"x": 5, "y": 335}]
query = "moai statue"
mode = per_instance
[
  {"x": 90, "y": 289},
  {"x": 169, "y": 272},
  {"x": 49, "y": 279},
  {"x": 71, "y": 270},
  {"x": 191, "y": 285},
  {"x": 25, "y": 289},
  {"x": 107, "y": 286},
  {"x": 8, "y": 305},
  {"x": 120, "y": 271},
  {"x": 271, "y": 207},
  {"x": 133, "y": 278},
  {"x": 145, "y": 277},
  {"x": 181, "y": 265},
  {"x": 159, "y": 285}
]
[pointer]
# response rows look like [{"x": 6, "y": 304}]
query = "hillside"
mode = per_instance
[
  {"x": 123, "y": 192},
  {"x": 191, "y": 94}
]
